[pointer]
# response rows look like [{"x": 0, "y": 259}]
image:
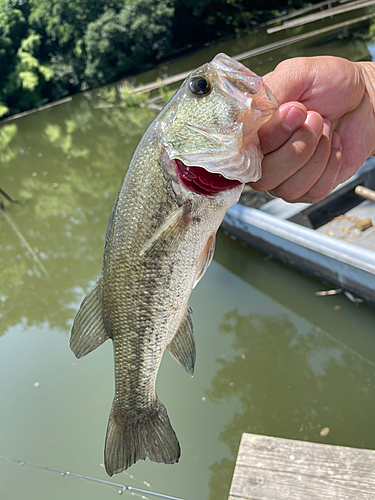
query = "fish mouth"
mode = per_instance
[{"x": 201, "y": 181}]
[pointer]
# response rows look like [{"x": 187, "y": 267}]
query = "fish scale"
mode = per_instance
[{"x": 159, "y": 243}]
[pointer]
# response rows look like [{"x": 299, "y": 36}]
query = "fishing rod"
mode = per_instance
[
  {"x": 7, "y": 196},
  {"x": 88, "y": 478}
]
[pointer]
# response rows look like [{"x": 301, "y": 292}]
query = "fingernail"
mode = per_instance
[
  {"x": 293, "y": 119},
  {"x": 327, "y": 128},
  {"x": 314, "y": 124},
  {"x": 336, "y": 141}
]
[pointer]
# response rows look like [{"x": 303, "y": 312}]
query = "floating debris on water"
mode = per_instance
[
  {"x": 353, "y": 299},
  {"x": 323, "y": 293},
  {"x": 325, "y": 431}
]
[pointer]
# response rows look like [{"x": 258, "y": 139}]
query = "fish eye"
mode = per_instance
[{"x": 200, "y": 86}]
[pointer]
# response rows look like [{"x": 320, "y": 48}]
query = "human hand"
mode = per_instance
[{"x": 312, "y": 145}]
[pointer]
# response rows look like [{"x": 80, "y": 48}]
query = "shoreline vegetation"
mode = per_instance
[{"x": 51, "y": 49}]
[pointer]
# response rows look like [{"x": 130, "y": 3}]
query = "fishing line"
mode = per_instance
[
  {"x": 255, "y": 52},
  {"x": 24, "y": 243},
  {"x": 347, "y": 348},
  {"x": 88, "y": 478}
]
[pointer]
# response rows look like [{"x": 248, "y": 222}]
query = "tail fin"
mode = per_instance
[{"x": 127, "y": 441}]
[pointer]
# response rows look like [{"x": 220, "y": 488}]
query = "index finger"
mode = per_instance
[{"x": 278, "y": 129}]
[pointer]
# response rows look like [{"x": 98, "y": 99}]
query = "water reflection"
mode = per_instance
[
  {"x": 290, "y": 357},
  {"x": 289, "y": 377},
  {"x": 55, "y": 167},
  {"x": 7, "y": 133}
]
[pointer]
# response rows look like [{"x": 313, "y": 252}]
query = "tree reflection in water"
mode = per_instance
[
  {"x": 289, "y": 383},
  {"x": 64, "y": 165}
]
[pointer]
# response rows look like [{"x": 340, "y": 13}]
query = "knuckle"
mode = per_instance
[
  {"x": 259, "y": 185},
  {"x": 301, "y": 151},
  {"x": 267, "y": 143},
  {"x": 285, "y": 193},
  {"x": 307, "y": 198},
  {"x": 317, "y": 193}
]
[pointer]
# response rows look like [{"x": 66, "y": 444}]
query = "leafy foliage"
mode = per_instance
[{"x": 51, "y": 48}]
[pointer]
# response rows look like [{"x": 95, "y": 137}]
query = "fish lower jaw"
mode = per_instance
[{"x": 200, "y": 181}]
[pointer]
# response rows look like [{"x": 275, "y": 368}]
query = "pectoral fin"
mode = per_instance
[
  {"x": 169, "y": 234},
  {"x": 206, "y": 258},
  {"x": 88, "y": 331},
  {"x": 182, "y": 347}
]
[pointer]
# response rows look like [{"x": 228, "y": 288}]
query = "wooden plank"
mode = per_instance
[
  {"x": 270, "y": 485},
  {"x": 269, "y": 468}
]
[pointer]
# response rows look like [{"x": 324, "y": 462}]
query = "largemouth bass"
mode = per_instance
[{"x": 188, "y": 169}]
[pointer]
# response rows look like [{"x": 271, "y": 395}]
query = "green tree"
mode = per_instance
[
  {"x": 51, "y": 48},
  {"x": 121, "y": 41}
]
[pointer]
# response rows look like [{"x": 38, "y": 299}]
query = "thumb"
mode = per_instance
[
  {"x": 331, "y": 86},
  {"x": 291, "y": 78}
]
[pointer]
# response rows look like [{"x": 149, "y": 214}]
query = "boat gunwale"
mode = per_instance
[{"x": 304, "y": 237}]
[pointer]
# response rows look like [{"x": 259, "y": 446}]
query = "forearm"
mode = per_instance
[{"x": 367, "y": 70}]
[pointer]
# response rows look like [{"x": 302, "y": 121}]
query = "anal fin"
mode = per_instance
[
  {"x": 182, "y": 346},
  {"x": 88, "y": 331}
]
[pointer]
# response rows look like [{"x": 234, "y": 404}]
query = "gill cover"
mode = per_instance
[{"x": 217, "y": 128}]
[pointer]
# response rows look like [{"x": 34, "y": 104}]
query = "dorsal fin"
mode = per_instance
[
  {"x": 88, "y": 331},
  {"x": 182, "y": 347}
]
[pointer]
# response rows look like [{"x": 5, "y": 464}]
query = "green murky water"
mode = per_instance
[{"x": 273, "y": 358}]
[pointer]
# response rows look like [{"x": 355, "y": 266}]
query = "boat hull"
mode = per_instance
[{"x": 337, "y": 262}]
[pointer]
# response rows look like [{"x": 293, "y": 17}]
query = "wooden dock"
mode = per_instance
[{"x": 269, "y": 468}]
